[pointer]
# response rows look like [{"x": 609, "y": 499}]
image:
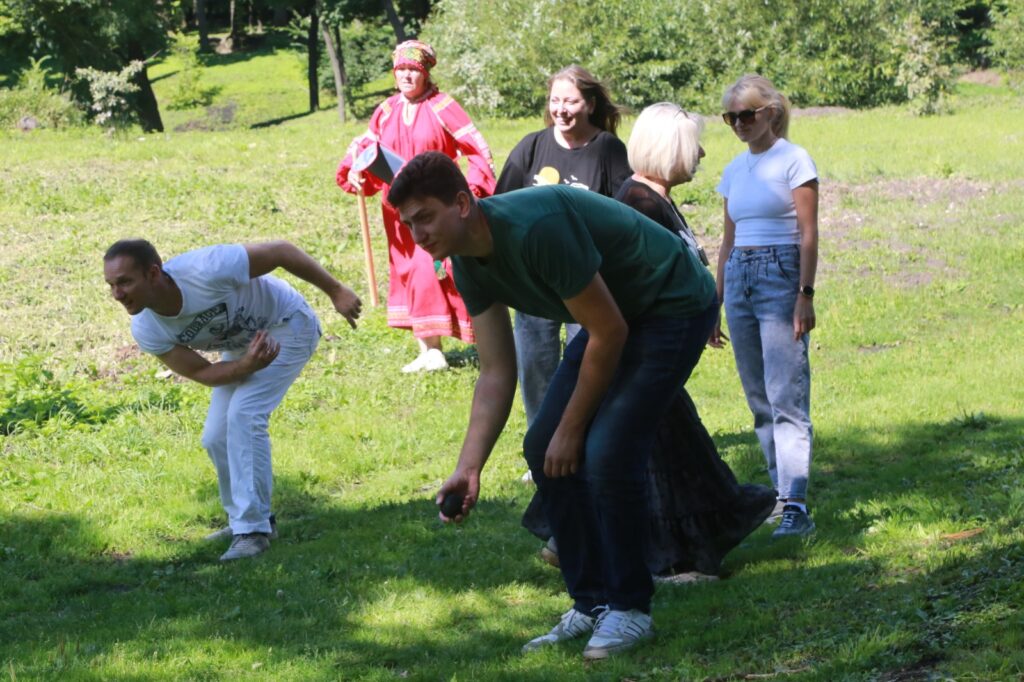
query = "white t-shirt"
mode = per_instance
[
  {"x": 222, "y": 307},
  {"x": 759, "y": 189}
]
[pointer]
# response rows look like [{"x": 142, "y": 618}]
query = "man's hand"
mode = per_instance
[
  {"x": 563, "y": 455},
  {"x": 347, "y": 303},
  {"x": 355, "y": 178},
  {"x": 261, "y": 351},
  {"x": 465, "y": 482}
]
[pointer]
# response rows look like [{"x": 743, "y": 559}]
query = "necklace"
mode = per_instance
[{"x": 751, "y": 155}]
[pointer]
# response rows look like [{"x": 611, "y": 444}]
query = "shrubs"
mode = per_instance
[
  {"x": 822, "y": 52},
  {"x": 1007, "y": 36},
  {"x": 33, "y": 103},
  {"x": 108, "y": 89}
]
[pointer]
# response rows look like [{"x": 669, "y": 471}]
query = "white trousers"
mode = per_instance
[{"x": 235, "y": 434}]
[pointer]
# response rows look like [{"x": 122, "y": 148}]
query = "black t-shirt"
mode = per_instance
[
  {"x": 600, "y": 166},
  {"x": 642, "y": 198}
]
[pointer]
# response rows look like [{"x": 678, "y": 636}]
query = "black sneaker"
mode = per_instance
[{"x": 795, "y": 522}]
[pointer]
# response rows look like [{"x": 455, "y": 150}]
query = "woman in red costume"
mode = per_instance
[{"x": 419, "y": 118}]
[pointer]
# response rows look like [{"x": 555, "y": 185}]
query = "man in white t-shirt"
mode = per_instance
[{"x": 221, "y": 298}]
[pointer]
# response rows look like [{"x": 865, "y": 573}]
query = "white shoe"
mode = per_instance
[
  {"x": 434, "y": 360},
  {"x": 573, "y": 624},
  {"x": 527, "y": 477},
  {"x": 246, "y": 546},
  {"x": 226, "y": 534},
  {"x": 617, "y": 631},
  {"x": 428, "y": 361}
]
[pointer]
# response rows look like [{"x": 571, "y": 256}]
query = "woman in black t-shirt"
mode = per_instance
[{"x": 578, "y": 147}]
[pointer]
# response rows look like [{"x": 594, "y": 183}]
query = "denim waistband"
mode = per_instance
[{"x": 766, "y": 253}]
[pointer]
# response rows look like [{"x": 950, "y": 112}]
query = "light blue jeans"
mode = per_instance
[
  {"x": 235, "y": 434},
  {"x": 760, "y": 294},
  {"x": 538, "y": 352}
]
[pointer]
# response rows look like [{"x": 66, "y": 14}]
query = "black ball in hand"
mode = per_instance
[{"x": 451, "y": 505}]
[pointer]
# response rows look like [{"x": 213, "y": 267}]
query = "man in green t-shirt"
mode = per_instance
[{"x": 647, "y": 307}]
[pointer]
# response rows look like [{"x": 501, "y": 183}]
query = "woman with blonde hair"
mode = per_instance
[
  {"x": 766, "y": 271},
  {"x": 698, "y": 511}
]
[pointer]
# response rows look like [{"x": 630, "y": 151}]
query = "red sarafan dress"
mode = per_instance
[{"x": 419, "y": 297}]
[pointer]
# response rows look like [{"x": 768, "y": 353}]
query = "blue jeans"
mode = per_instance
[
  {"x": 760, "y": 295},
  {"x": 538, "y": 351},
  {"x": 599, "y": 514}
]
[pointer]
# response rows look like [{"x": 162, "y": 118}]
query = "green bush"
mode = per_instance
[
  {"x": 1007, "y": 37},
  {"x": 820, "y": 52},
  {"x": 34, "y": 98},
  {"x": 189, "y": 91},
  {"x": 108, "y": 90}
]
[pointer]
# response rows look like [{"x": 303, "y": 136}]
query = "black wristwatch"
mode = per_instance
[{"x": 807, "y": 290}]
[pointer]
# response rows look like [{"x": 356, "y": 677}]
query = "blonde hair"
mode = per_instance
[
  {"x": 665, "y": 143},
  {"x": 757, "y": 91},
  {"x": 606, "y": 114}
]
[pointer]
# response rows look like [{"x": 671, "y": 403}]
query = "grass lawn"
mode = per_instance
[{"x": 916, "y": 571}]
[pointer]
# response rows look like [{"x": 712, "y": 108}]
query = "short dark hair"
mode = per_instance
[
  {"x": 430, "y": 174},
  {"x": 139, "y": 250}
]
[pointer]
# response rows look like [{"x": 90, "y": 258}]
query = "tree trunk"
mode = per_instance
[
  {"x": 337, "y": 66},
  {"x": 204, "y": 31},
  {"x": 313, "y": 48},
  {"x": 280, "y": 15},
  {"x": 396, "y": 21},
  {"x": 233, "y": 14},
  {"x": 144, "y": 100}
]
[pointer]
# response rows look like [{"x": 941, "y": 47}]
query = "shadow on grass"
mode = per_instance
[
  {"x": 279, "y": 120},
  {"x": 342, "y": 585}
]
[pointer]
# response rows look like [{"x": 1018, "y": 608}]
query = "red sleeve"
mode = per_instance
[
  {"x": 371, "y": 184},
  {"x": 469, "y": 142}
]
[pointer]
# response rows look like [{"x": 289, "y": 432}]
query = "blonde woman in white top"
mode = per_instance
[{"x": 766, "y": 271}]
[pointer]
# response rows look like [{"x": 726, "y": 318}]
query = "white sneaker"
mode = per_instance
[
  {"x": 573, "y": 624},
  {"x": 434, "y": 360},
  {"x": 226, "y": 534},
  {"x": 617, "y": 631},
  {"x": 527, "y": 477},
  {"x": 246, "y": 546},
  {"x": 428, "y": 361}
]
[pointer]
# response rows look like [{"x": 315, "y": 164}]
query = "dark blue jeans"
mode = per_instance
[{"x": 599, "y": 515}]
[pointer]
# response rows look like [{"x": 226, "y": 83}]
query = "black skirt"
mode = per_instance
[{"x": 697, "y": 510}]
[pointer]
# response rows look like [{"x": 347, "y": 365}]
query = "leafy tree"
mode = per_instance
[
  {"x": 844, "y": 52},
  {"x": 107, "y": 35},
  {"x": 1007, "y": 36}
]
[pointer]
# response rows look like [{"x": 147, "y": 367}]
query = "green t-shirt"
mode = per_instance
[{"x": 550, "y": 241}]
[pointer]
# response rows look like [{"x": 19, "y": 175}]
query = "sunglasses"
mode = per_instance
[{"x": 745, "y": 116}]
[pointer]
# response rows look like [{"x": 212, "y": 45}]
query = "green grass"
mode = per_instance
[{"x": 915, "y": 572}]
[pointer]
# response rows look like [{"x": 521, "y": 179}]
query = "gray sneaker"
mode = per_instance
[
  {"x": 776, "y": 514},
  {"x": 617, "y": 631},
  {"x": 795, "y": 523},
  {"x": 573, "y": 624},
  {"x": 246, "y": 546},
  {"x": 226, "y": 534}
]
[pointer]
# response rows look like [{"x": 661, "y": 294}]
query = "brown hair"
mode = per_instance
[
  {"x": 606, "y": 114},
  {"x": 430, "y": 174},
  {"x": 139, "y": 250}
]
